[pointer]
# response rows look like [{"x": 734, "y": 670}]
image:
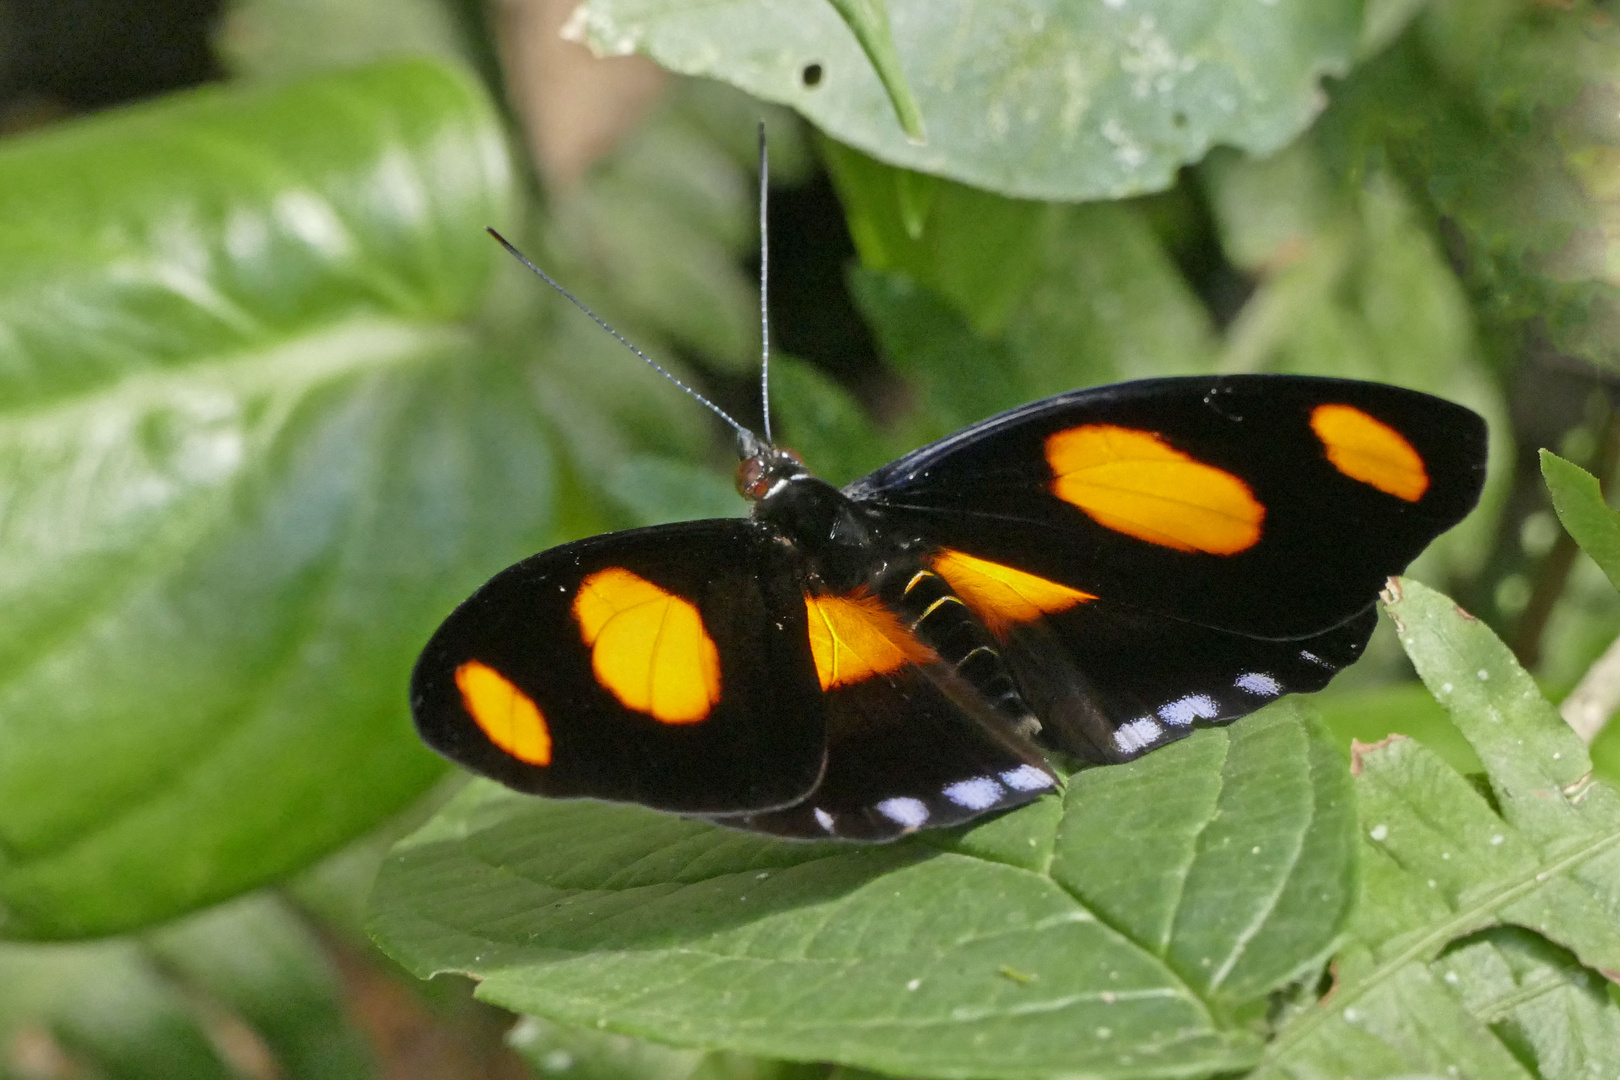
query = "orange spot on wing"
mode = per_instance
[
  {"x": 1370, "y": 451},
  {"x": 504, "y": 713},
  {"x": 1001, "y": 596},
  {"x": 854, "y": 638},
  {"x": 1134, "y": 482},
  {"x": 648, "y": 646}
]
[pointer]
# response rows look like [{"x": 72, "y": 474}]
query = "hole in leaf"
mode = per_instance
[{"x": 811, "y": 75}]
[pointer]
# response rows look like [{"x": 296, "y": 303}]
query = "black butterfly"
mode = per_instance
[{"x": 1098, "y": 573}]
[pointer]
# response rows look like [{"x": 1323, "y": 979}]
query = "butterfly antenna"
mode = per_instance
[
  {"x": 764, "y": 274},
  {"x": 746, "y": 436}
]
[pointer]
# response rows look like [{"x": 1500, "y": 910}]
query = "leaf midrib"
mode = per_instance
[{"x": 1462, "y": 922}]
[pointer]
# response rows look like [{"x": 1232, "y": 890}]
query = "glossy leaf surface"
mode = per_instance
[
  {"x": 1051, "y": 101},
  {"x": 254, "y": 452},
  {"x": 967, "y": 955},
  {"x": 1422, "y": 984}
]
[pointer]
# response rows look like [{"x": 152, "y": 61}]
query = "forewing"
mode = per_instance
[
  {"x": 664, "y": 666},
  {"x": 1269, "y": 505}
]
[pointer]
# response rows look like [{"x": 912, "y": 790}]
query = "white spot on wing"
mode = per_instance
[
  {"x": 824, "y": 819},
  {"x": 903, "y": 810},
  {"x": 1258, "y": 683},
  {"x": 1026, "y": 778},
  {"x": 978, "y": 793},
  {"x": 1185, "y": 710},
  {"x": 1138, "y": 734}
]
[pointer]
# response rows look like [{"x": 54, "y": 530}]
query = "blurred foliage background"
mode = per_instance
[{"x": 271, "y": 403}]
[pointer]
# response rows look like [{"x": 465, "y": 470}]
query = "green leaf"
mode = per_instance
[
  {"x": 824, "y": 423},
  {"x": 245, "y": 981},
  {"x": 1441, "y": 861},
  {"x": 1536, "y": 998},
  {"x": 972, "y": 247},
  {"x": 869, "y": 21},
  {"x": 1041, "y": 943},
  {"x": 1580, "y": 505},
  {"x": 1408, "y": 709},
  {"x": 558, "y": 1052},
  {"x": 256, "y": 958},
  {"x": 252, "y": 454},
  {"x": 1066, "y": 101}
]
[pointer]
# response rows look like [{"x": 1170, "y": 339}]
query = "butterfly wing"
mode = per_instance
[
  {"x": 664, "y": 666},
  {"x": 1266, "y": 505},
  {"x": 911, "y": 744},
  {"x": 1112, "y": 683}
]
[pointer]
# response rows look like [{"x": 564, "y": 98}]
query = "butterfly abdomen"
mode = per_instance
[{"x": 940, "y": 619}]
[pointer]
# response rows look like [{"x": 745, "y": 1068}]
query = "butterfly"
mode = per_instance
[
  {"x": 1097, "y": 573},
  {"x": 1092, "y": 575}
]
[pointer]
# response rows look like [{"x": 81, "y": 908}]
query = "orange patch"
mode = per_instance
[
  {"x": 1001, "y": 596},
  {"x": 504, "y": 713},
  {"x": 1370, "y": 451},
  {"x": 648, "y": 646},
  {"x": 855, "y": 637},
  {"x": 1134, "y": 482}
]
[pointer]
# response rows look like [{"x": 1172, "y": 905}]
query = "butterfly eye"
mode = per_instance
[{"x": 752, "y": 480}]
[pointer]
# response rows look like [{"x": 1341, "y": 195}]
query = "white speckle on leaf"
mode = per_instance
[
  {"x": 1148, "y": 58},
  {"x": 1103, "y": 1033},
  {"x": 1379, "y": 832},
  {"x": 1432, "y": 884},
  {"x": 1483, "y": 674},
  {"x": 1351, "y": 1016},
  {"x": 1497, "y": 839},
  {"x": 913, "y": 984},
  {"x": 1445, "y": 688},
  {"x": 1126, "y": 149},
  {"x": 1451, "y": 977},
  {"x": 557, "y": 1061},
  {"x": 1255, "y": 850}
]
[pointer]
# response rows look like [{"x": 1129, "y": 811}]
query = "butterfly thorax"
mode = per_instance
[
  {"x": 847, "y": 551},
  {"x": 842, "y": 543}
]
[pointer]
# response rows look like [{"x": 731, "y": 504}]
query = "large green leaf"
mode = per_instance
[
  {"x": 1428, "y": 979},
  {"x": 1132, "y": 929},
  {"x": 1052, "y": 100},
  {"x": 250, "y": 452}
]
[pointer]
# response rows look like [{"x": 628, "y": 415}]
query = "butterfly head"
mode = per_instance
[{"x": 763, "y": 467}]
